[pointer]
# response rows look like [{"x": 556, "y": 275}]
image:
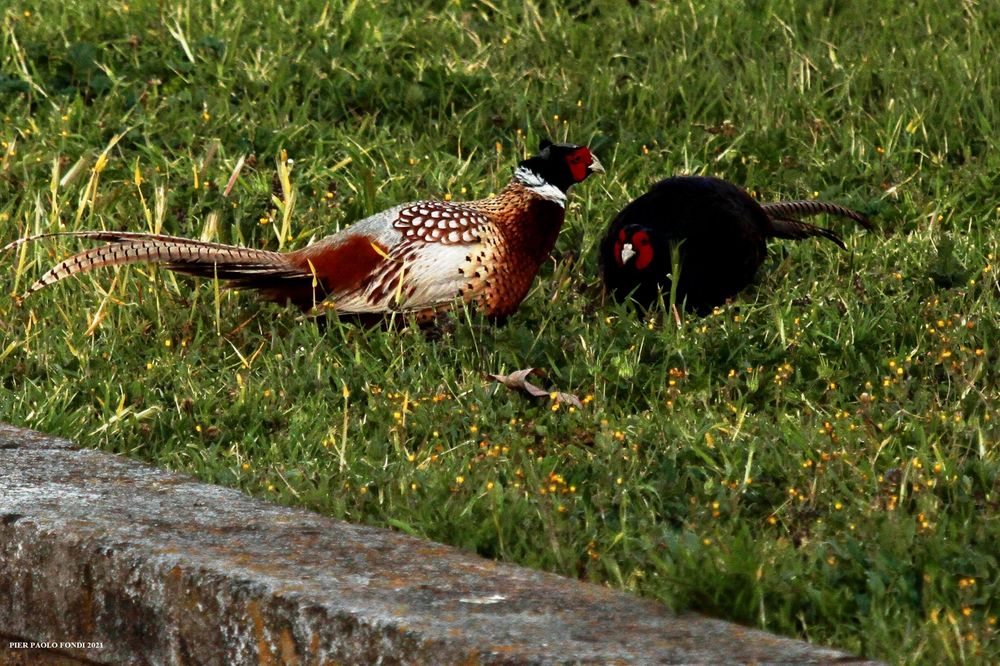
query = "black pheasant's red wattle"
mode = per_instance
[
  {"x": 418, "y": 258},
  {"x": 719, "y": 232}
]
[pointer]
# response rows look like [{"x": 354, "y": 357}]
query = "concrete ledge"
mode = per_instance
[{"x": 158, "y": 568}]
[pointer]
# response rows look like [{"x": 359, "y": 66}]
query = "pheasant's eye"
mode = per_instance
[{"x": 621, "y": 235}]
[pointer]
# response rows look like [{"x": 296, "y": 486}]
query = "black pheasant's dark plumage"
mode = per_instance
[{"x": 720, "y": 234}]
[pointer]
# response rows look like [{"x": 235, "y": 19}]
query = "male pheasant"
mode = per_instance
[
  {"x": 413, "y": 258},
  {"x": 720, "y": 234}
]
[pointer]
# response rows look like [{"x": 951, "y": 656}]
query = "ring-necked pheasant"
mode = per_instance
[
  {"x": 414, "y": 258},
  {"x": 720, "y": 233}
]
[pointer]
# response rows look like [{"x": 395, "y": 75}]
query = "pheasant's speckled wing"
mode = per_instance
[
  {"x": 431, "y": 262},
  {"x": 441, "y": 222}
]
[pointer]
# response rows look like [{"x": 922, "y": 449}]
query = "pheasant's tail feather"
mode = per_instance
[
  {"x": 789, "y": 227},
  {"x": 795, "y": 209},
  {"x": 110, "y": 236},
  {"x": 243, "y": 267}
]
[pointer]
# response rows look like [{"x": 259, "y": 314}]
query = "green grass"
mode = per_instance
[{"x": 818, "y": 459}]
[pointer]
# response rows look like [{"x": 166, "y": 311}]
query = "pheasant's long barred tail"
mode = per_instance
[
  {"x": 183, "y": 255},
  {"x": 112, "y": 237},
  {"x": 796, "y": 209}
]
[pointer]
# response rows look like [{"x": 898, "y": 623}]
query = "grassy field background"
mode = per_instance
[{"x": 818, "y": 459}]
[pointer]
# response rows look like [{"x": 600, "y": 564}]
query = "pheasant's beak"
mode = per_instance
[
  {"x": 595, "y": 165},
  {"x": 627, "y": 253}
]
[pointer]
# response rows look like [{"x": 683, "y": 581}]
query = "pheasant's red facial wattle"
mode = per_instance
[
  {"x": 643, "y": 249},
  {"x": 579, "y": 162},
  {"x": 619, "y": 245}
]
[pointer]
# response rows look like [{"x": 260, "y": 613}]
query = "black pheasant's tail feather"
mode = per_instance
[
  {"x": 243, "y": 267},
  {"x": 796, "y": 209},
  {"x": 786, "y": 223},
  {"x": 788, "y": 227}
]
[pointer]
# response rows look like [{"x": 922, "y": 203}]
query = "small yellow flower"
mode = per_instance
[
  {"x": 245, "y": 466},
  {"x": 459, "y": 480}
]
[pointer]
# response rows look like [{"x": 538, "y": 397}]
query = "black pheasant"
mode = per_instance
[
  {"x": 719, "y": 234},
  {"x": 417, "y": 257}
]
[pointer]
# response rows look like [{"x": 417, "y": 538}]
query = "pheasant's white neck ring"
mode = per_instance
[{"x": 539, "y": 186}]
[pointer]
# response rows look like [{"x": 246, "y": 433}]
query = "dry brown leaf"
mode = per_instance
[{"x": 518, "y": 380}]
